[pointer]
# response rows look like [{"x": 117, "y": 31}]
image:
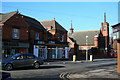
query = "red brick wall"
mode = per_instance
[
  {"x": 96, "y": 41},
  {"x": 57, "y": 35},
  {"x": 18, "y": 23}
]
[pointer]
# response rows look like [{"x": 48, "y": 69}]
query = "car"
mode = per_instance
[
  {"x": 21, "y": 60},
  {"x": 6, "y": 76}
]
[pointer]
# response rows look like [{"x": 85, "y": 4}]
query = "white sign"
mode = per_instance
[
  {"x": 35, "y": 51},
  {"x": 51, "y": 42}
]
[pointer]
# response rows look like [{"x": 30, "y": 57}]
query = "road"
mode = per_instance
[{"x": 60, "y": 70}]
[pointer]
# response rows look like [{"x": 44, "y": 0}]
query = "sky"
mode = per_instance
[{"x": 84, "y": 15}]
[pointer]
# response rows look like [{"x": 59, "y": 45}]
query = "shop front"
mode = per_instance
[
  {"x": 56, "y": 51},
  {"x": 40, "y": 49},
  {"x": 11, "y": 48}
]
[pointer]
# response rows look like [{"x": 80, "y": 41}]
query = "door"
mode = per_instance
[
  {"x": 30, "y": 60},
  {"x": 19, "y": 61}
]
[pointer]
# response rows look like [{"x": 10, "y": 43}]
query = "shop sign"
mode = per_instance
[
  {"x": 51, "y": 42},
  {"x": 40, "y": 42}
]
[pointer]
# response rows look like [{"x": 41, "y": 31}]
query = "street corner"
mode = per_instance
[{"x": 99, "y": 73}]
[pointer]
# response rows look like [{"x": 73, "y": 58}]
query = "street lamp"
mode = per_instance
[{"x": 86, "y": 48}]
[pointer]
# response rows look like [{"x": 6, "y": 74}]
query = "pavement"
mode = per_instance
[{"x": 98, "y": 73}]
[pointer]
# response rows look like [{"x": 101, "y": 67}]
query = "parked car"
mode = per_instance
[
  {"x": 6, "y": 76},
  {"x": 21, "y": 60}
]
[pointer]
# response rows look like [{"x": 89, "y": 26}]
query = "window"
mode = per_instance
[
  {"x": 37, "y": 36},
  {"x": 20, "y": 57},
  {"x": 15, "y": 33},
  {"x": 104, "y": 27},
  {"x": 61, "y": 37},
  {"x": 30, "y": 56}
]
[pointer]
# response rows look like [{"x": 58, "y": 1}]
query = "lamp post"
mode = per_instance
[{"x": 86, "y": 48}]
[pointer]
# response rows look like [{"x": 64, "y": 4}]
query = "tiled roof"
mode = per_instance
[
  {"x": 33, "y": 22},
  {"x": 72, "y": 40},
  {"x": 80, "y": 36},
  {"x": 5, "y": 17},
  {"x": 54, "y": 24},
  {"x": 29, "y": 20},
  {"x": 115, "y": 25},
  {"x": 48, "y": 23}
]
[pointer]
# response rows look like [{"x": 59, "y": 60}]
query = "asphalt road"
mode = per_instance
[{"x": 59, "y": 70}]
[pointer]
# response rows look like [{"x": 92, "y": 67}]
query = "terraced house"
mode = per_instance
[
  {"x": 57, "y": 46},
  {"x": 21, "y": 34},
  {"x": 24, "y": 34}
]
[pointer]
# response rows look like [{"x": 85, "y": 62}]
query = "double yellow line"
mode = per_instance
[{"x": 62, "y": 75}]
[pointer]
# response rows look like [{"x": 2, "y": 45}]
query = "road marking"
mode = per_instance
[{"x": 62, "y": 75}]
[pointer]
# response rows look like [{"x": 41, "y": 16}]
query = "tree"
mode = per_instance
[{"x": 94, "y": 50}]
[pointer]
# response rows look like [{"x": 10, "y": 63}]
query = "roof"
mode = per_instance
[
  {"x": 5, "y": 17},
  {"x": 33, "y": 22},
  {"x": 115, "y": 25},
  {"x": 54, "y": 24},
  {"x": 29, "y": 20},
  {"x": 72, "y": 40},
  {"x": 80, "y": 36}
]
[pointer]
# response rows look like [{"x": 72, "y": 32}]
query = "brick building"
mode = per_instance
[
  {"x": 57, "y": 45},
  {"x": 80, "y": 41},
  {"x": 24, "y": 34},
  {"x": 20, "y": 34}
]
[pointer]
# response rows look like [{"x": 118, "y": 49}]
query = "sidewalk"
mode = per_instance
[{"x": 77, "y": 61}]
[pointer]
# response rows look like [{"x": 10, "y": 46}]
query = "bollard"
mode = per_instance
[
  {"x": 74, "y": 58},
  {"x": 91, "y": 57}
]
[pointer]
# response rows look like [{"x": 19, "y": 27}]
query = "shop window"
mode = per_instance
[
  {"x": 15, "y": 33},
  {"x": 37, "y": 36}
]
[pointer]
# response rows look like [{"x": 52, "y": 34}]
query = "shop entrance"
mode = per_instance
[{"x": 42, "y": 52}]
